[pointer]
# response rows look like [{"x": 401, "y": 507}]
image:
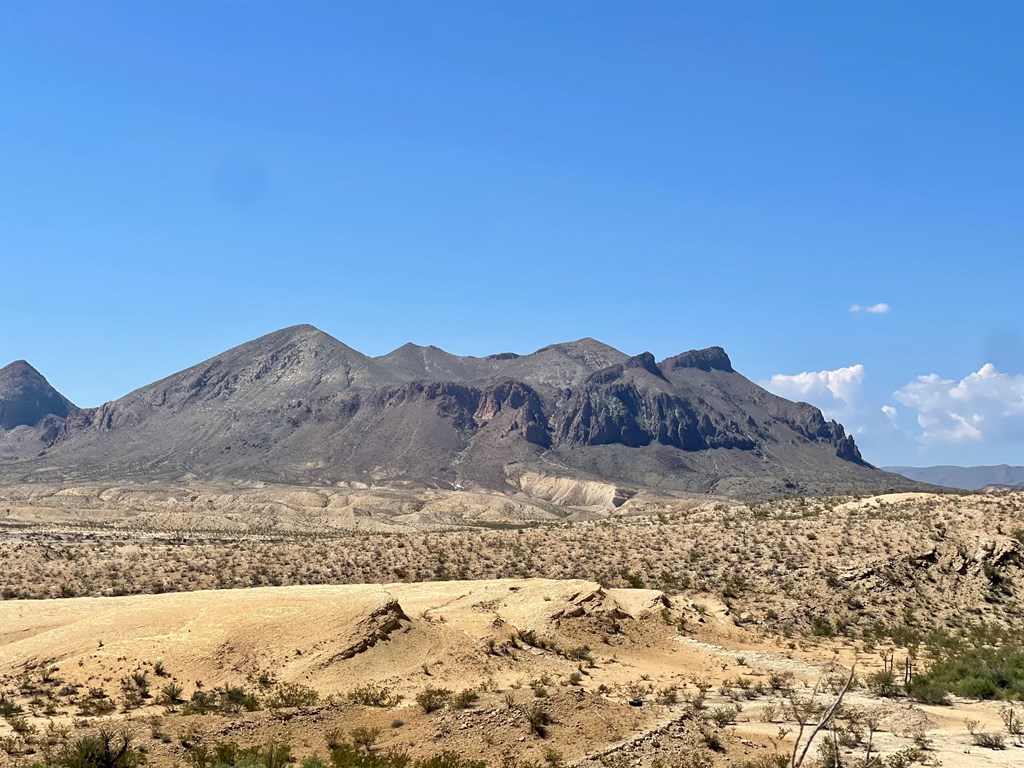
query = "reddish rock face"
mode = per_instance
[{"x": 519, "y": 408}]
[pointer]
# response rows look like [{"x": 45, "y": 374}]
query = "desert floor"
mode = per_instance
[{"x": 695, "y": 671}]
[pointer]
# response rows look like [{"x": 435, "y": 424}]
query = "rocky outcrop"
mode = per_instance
[
  {"x": 519, "y": 408},
  {"x": 808, "y": 421},
  {"x": 376, "y": 628},
  {"x": 632, "y": 404},
  {"x": 27, "y": 399},
  {"x": 573, "y": 492},
  {"x": 710, "y": 359}
]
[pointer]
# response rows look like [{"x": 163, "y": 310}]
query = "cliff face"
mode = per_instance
[
  {"x": 634, "y": 404},
  {"x": 300, "y": 406}
]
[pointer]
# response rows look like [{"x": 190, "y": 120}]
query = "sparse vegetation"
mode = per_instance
[
  {"x": 433, "y": 699},
  {"x": 854, "y": 588},
  {"x": 374, "y": 695},
  {"x": 106, "y": 748},
  {"x": 539, "y": 719},
  {"x": 292, "y": 695}
]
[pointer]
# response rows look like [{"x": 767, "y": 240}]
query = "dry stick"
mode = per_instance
[
  {"x": 867, "y": 754},
  {"x": 826, "y": 717}
]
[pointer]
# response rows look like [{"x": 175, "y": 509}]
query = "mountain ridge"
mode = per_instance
[
  {"x": 964, "y": 478},
  {"x": 298, "y": 405}
]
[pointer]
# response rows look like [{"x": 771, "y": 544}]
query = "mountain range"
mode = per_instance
[
  {"x": 965, "y": 478},
  {"x": 299, "y": 406}
]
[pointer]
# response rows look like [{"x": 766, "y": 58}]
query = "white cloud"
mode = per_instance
[
  {"x": 933, "y": 415},
  {"x": 985, "y": 405},
  {"x": 874, "y": 309},
  {"x": 843, "y": 385}
]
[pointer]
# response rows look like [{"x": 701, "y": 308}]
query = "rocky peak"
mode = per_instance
[
  {"x": 26, "y": 397},
  {"x": 644, "y": 361},
  {"x": 710, "y": 359}
]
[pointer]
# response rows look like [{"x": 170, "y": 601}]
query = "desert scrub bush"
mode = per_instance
[
  {"x": 926, "y": 691},
  {"x": 21, "y": 726},
  {"x": 201, "y": 703},
  {"x": 170, "y": 695},
  {"x": 766, "y": 761},
  {"x": 104, "y": 749},
  {"x": 465, "y": 699},
  {"x": 667, "y": 696},
  {"x": 353, "y": 756},
  {"x": 822, "y": 627},
  {"x": 95, "y": 702},
  {"x": 433, "y": 699},
  {"x": 581, "y": 653},
  {"x": 365, "y": 737},
  {"x": 1013, "y": 723},
  {"x": 988, "y": 740},
  {"x": 232, "y": 699},
  {"x": 227, "y": 754},
  {"x": 723, "y": 716},
  {"x": 974, "y": 671},
  {"x": 9, "y": 707},
  {"x": 292, "y": 695},
  {"x": 883, "y": 683},
  {"x": 531, "y": 638},
  {"x": 135, "y": 689},
  {"x": 781, "y": 682},
  {"x": 12, "y": 745},
  {"x": 538, "y": 718},
  {"x": 371, "y": 695}
]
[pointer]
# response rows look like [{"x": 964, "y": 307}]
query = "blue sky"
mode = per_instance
[{"x": 179, "y": 177}]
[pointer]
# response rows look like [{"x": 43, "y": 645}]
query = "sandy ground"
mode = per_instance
[{"x": 453, "y": 635}]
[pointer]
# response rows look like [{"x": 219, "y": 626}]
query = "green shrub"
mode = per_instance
[
  {"x": 170, "y": 694},
  {"x": 201, "y": 703},
  {"x": 924, "y": 690},
  {"x": 723, "y": 716},
  {"x": 227, "y": 754},
  {"x": 292, "y": 695},
  {"x": 433, "y": 699},
  {"x": 104, "y": 749},
  {"x": 371, "y": 695},
  {"x": 465, "y": 699},
  {"x": 365, "y": 737},
  {"x": 883, "y": 683},
  {"x": 976, "y": 672},
  {"x": 449, "y": 759},
  {"x": 539, "y": 719},
  {"x": 822, "y": 627},
  {"x": 352, "y": 756},
  {"x": 232, "y": 699},
  {"x": 988, "y": 740}
]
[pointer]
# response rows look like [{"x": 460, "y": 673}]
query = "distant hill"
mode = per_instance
[
  {"x": 32, "y": 413},
  {"x": 300, "y": 406},
  {"x": 965, "y": 478}
]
